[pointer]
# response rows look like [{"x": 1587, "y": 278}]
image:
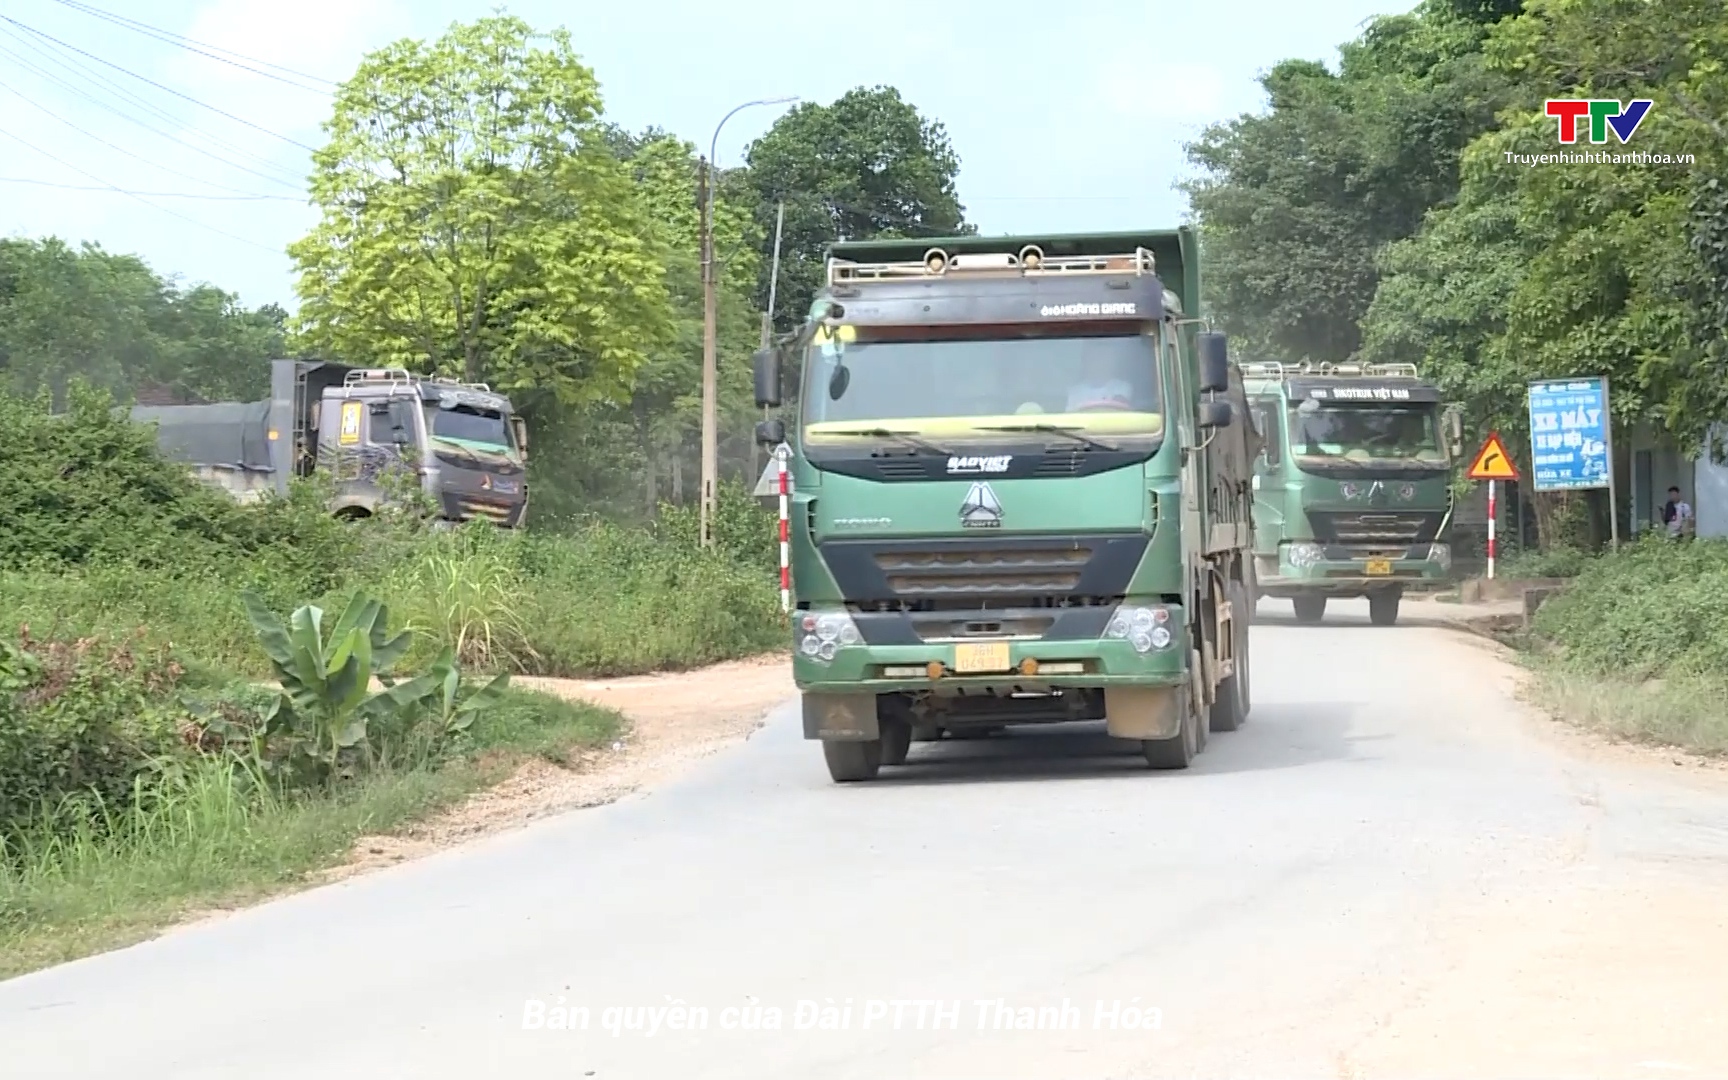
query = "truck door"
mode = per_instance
[{"x": 393, "y": 434}]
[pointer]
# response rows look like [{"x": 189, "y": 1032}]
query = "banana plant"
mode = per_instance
[
  {"x": 326, "y": 701},
  {"x": 439, "y": 690}
]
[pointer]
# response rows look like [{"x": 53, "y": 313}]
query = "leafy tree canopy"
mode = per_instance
[
  {"x": 1296, "y": 203},
  {"x": 83, "y": 312},
  {"x": 869, "y": 165},
  {"x": 476, "y": 222}
]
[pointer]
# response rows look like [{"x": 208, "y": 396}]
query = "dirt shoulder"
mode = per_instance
[{"x": 674, "y": 721}]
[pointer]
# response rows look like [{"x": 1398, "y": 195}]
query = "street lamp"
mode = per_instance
[{"x": 710, "y": 360}]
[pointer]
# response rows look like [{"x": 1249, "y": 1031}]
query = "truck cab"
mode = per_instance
[
  {"x": 1020, "y": 495},
  {"x": 1352, "y": 493},
  {"x": 459, "y": 443}
]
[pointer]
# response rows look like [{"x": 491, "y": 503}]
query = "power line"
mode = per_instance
[
  {"x": 154, "y": 194},
  {"x": 138, "y": 157},
  {"x": 283, "y": 178},
  {"x": 202, "y": 49},
  {"x": 171, "y": 213},
  {"x": 157, "y": 85}
]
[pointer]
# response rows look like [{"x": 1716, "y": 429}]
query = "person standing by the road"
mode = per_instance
[{"x": 1676, "y": 514}]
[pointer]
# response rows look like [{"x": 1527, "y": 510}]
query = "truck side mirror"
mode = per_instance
[
  {"x": 1215, "y": 414},
  {"x": 520, "y": 428},
  {"x": 766, "y": 369},
  {"x": 1214, "y": 363},
  {"x": 1454, "y": 431},
  {"x": 771, "y": 432},
  {"x": 1268, "y": 436}
]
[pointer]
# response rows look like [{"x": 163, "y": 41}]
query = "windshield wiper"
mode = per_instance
[
  {"x": 447, "y": 444},
  {"x": 904, "y": 438},
  {"x": 1053, "y": 429}
]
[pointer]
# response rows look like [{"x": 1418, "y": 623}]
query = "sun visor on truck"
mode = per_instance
[{"x": 1363, "y": 391}]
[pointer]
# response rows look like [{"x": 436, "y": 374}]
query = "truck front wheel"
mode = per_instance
[
  {"x": 852, "y": 761},
  {"x": 1383, "y": 607},
  {"x": 1309, "y": 609},
  {"x": 1177, "y": 752}
]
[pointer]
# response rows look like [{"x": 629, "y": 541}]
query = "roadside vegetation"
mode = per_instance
[
  {"x": 1637, "y": 646},
  {"x": 147, "y": 767},
  {"x": 1391, "y": 206},
  {"x": 148, "y": 763}
]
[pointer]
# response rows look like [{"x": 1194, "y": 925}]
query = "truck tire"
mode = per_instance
[
  {"x": 1309, "y": 609},
  {"x": 1230, "y": 709},
  {"x": 1177, "y": 752},
  {"x": 1383, "y": 607},
  {"x": 896, "y": 741},
  {"x": 852, "y": 761}
]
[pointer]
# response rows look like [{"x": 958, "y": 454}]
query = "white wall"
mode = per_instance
[{"x": 1710, "y": 495}]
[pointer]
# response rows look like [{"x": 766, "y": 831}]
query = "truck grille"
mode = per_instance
[
  {"x": 1375, "y": 529},
  {"x": 1005, "y": 572},
  {"x": 474, "y": 508},
  {"x": 966, "y": 573}
]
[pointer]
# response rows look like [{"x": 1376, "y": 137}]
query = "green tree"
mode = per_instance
[
  {"x": 69, "y": 313},
  {"x": 475, "y": 222},
  {"x": 868, "y": 165},
  {"x": 1297, "y": 203},
  {"x": 631, "y": 454},
  {"x": 1580, "y": 268}
]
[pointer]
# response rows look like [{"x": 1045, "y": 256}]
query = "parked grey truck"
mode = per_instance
[{"x": 460, "y": 443}]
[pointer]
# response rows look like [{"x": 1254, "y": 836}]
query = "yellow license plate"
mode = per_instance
[
  {"x": 1379, "y": 567},
  {"x": 980, "y": 656}
]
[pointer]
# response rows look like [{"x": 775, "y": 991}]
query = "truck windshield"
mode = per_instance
[
  {"x": 1366, "y": 434},
  {"x": 475, "y": 428},
  {"x": 959, "y": 381}
]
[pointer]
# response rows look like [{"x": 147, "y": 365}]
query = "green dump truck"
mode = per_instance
[
  {"x": 1352, "y": 494},
  {"x": 1022, "y": 494}
]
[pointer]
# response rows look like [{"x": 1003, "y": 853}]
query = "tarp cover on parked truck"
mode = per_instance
[{"x": 233, "y": 434}]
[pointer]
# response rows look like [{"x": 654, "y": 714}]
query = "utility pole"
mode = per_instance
[
  {"x": 710, "y": 332},
  {"x": 768, "y": 317}
]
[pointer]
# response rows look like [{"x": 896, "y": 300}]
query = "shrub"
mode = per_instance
[
  {"x": 1559, "y": 562},
  {"x": 743, "y": 530},
  {"x": 465, "y": 589},
  {"x": 81, "y": 719},
  {"x": 616, "y": 601},
  {"x": 1653, "y": 608}
]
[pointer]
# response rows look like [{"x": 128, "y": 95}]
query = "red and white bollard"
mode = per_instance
[
  {"x": 1492, "y": 485},
  {"x": 785, "y": 537}
]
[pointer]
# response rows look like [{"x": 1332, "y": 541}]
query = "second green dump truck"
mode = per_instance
[
  {"x": 1021, "y": 484},
  {"x": 1352, "y": 494}
]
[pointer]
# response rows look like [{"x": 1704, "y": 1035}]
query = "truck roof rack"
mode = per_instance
[
  {"x": 445, "y": 381},
  {"x": 1272, "y": 369},
  {"x": 391, "y": 375},
  {"x": 1029, "y": 261}
]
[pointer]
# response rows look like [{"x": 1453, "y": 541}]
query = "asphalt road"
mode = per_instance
[{"x": 1391, "y": 870}]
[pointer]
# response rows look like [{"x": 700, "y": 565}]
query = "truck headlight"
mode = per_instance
[
  {"x": 1440, "y": 555},
  {"x": 1145, "y": 628},
  {"x": 820, "y": 637},
  {"x": 1303, "y": 554}
]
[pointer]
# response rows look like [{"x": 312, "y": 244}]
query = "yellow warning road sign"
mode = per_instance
[{"x": 1492, "y": 461}]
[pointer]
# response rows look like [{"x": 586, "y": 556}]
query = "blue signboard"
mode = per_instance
[{"x": 1569, "y": 434}]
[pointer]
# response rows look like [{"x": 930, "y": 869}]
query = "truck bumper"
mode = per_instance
[
  {"x": 1346, "y": 578},
  {"x": 1142, "y": 694}
]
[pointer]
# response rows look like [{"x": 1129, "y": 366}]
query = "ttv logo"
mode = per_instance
[{"x": 1604, "y": 115}]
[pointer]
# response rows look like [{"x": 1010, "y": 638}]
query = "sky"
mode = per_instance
[{"x": 1066, "y": 117}]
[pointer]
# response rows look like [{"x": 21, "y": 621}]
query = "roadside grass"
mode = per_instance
[
  {"x": 204, "y": 835},
  {"x": 1687, "y": 713},
  {"x": 1637, "y": 646}
]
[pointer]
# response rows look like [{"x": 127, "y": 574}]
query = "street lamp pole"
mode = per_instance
[{"x": 710, "y": 339}]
